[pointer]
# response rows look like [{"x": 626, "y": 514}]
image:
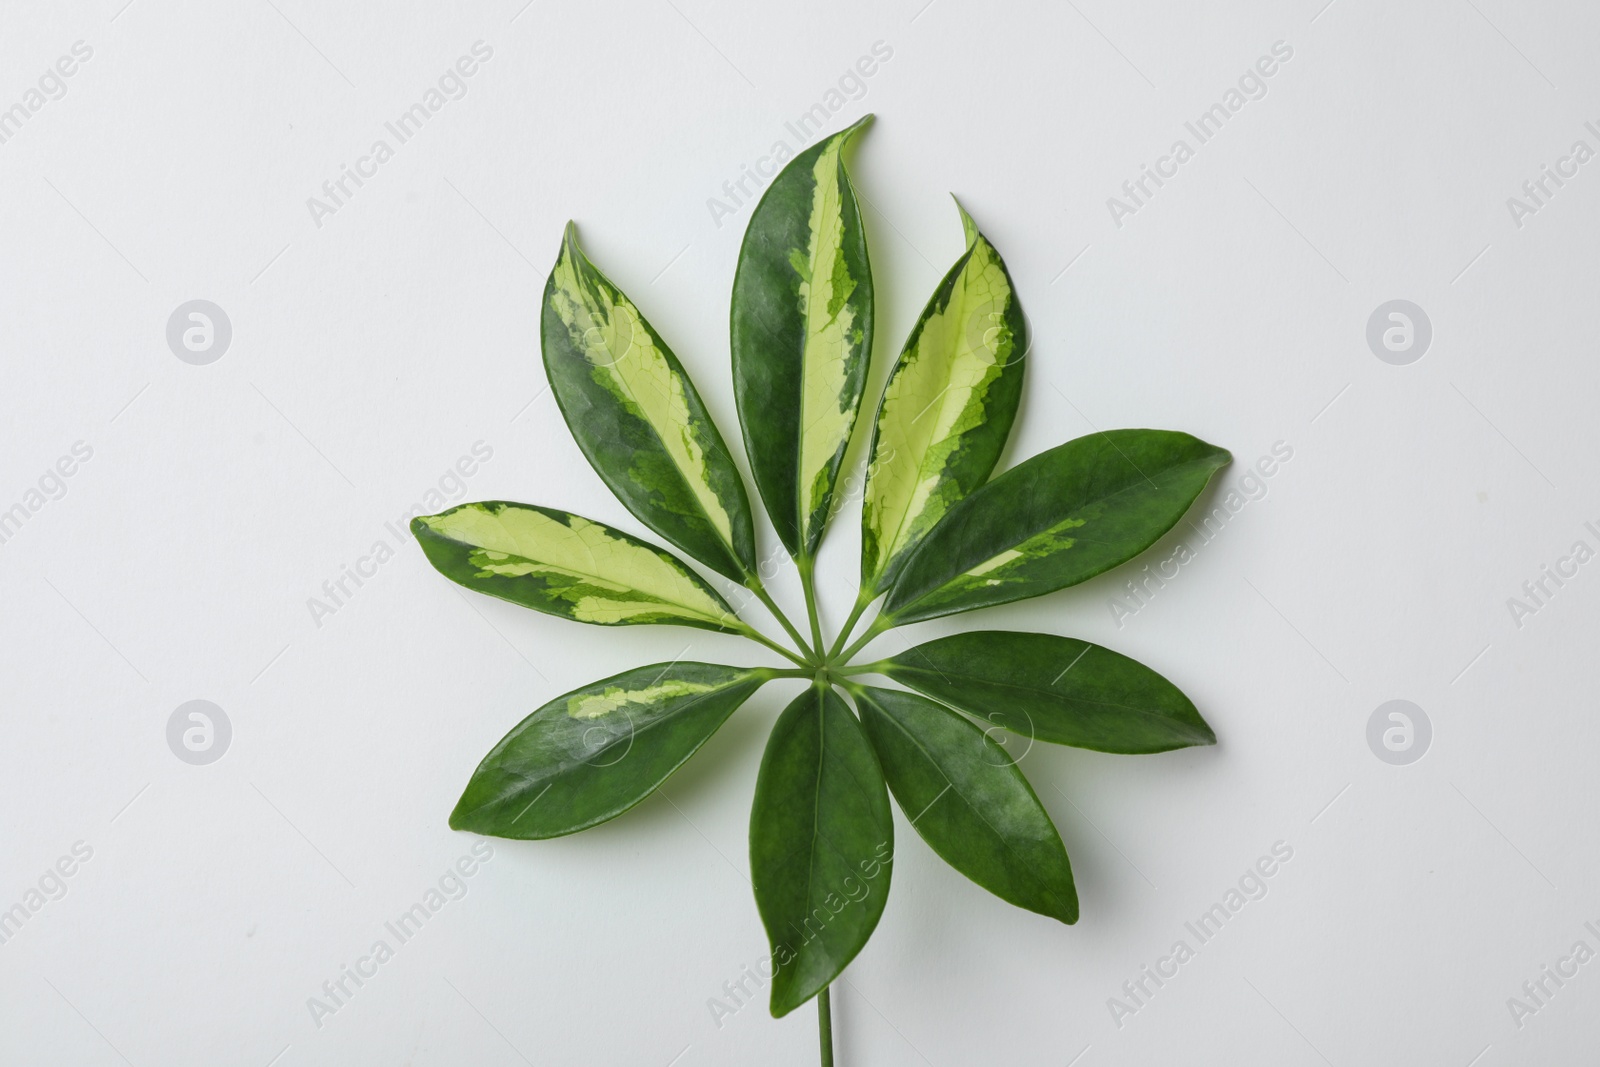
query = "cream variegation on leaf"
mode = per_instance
[
  {"x": 947, "y": 408},
  {"x": 590, "y": 755},
  {"x": 569, "y": 566},
  {"x": 802, "y": 336},
  {"x": 639, "y": 419},
  {"x": 939, "y": 536}
]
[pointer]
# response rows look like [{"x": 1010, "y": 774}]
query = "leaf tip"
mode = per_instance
[
  {"x": 780, "y": 1005},
  {"x": 1064, "y": 903},
  {"x": 469, "y": 815},
  {"x": 845, "y": 136},
  {"x": 968, "y": 227},
  {"x": 1061, "y": 905},
  {"x": 569, "y": 241}
]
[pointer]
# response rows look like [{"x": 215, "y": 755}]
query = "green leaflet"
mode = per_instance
[
  {"x": 591, "y": 754},
  {"x": 1054, "y": 689},
  {"x": 802, "y": 337},
  {"x": 1057, "y": 519},
  {"x": 638, "y": 418},
  {"x": 567, "y": 565},
  {"x": 821, "y": 845},
  {"x": 946, "y": 410},
  {"x": 969, "y": 801}
]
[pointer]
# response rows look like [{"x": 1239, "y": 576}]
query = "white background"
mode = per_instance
[{"x": 372, "y": 351}]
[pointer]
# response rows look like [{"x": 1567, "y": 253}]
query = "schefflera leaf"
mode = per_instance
[
  {"x": 946, "y": 410},
  {"x": 1054, "y": 520},
  {"x": 567, "y": 565},
  {"x": 801, "y": 331},
  {"x": 637, "y": 417},
  {"x": 821, "y": 845},
  {"x": 591, "y": 754},
  {"x": 1055, "y": 689},
  {"x": 969, "y": 801}
]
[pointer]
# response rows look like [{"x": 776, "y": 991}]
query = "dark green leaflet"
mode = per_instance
[
  {"x": 591, "y": 754},
  {"x": 1055, "y": 520},
  {"x": 969, "y": 801},
  {"x": 1053, "y": 689},
  {"x": 821, "y": 845}
]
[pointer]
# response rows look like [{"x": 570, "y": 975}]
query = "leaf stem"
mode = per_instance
[
  {"x": 760, "y": 638},
  {"x": 788, "y": 672},
  {"x": 807, "y": 565},
  {"x": 880, "y": 624},
  {"x": 825, "y": 1026},
  {"x": 862, "y": 600},
  {"x": 862, "y": 668},
  {"x": 762, "y": 595}
]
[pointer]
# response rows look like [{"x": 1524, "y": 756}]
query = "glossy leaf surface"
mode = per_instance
[
  {"x": 802, "y": 337},
  {"x": 947, "y": 408},
  {"x": 821, "y": 845},
  {"x": 1055, "y": 520},
  {"x": 1054, "y": 689},
  {"x": 593, "y": 753},
  {"x": 637, "y": 417},
  {"x": 969, "y": 801},
  {"x": 567, "y": 565}
]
